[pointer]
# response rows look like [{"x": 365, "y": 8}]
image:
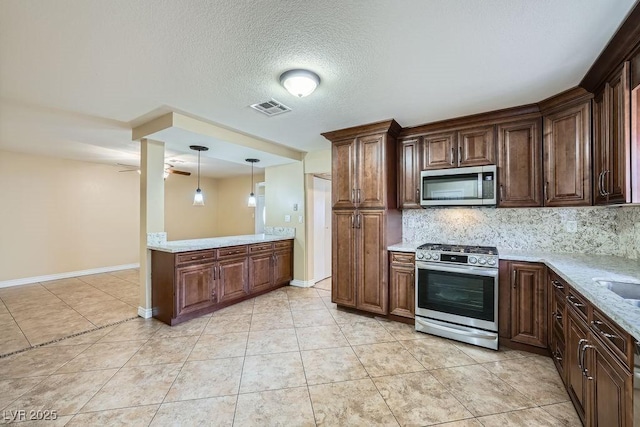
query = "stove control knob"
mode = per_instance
[
  {"x": 435, "y": 256},
  {"x": 427, "y": 256},
  {"x": 473, "y": 260},
  {"x": 420, "y": 255},
  {"x": 491, "y": 261},
  {"x": 482, "y": 261}
]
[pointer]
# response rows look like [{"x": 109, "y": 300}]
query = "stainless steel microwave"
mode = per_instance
[{"x": 472, "y": 186}]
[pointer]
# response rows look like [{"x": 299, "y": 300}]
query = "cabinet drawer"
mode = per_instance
[
  {"x": 285, "y": 244},
  {"x": 260, "y": 247},
  {"x": 403, "y": 258},
  {"x": 613, "y": 337},
  {"x": 558, "y": 285},
  {"x": 578, "y": 303},
  {"x": 557, "y": 352},
  {"x": 189, "y": 257},
  {"x": 557, "y": 314},
  {"x": 232, "y": 251}
]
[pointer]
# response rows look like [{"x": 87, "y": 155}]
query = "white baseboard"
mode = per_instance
[
  {"x": 145, "y": 313},
  {"x": 36, "y": 279},
  {"x": 302, "y": 283}
]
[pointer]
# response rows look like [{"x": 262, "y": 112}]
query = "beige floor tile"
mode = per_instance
[
  {"x": 324, "y": 284},
  {"x": 158, "y": 351},
  {"x": 5, "y": 317},
  {"x": 38, "y": 361},
  {"x": 136, "y": 386},
  {"x": 220, "y": 346},
  {"x": 418, "y": 399},
  {"x": 565, "y": 412},
  {"x": 295, "y": 292},
  {"x": 366, "y": 333},
  {"x": 227, "y": 324},
  {"x": 106, "y": 355},
  {"x": 105, "y": 314},
  {"x": 471, "y": 422},
  {"x": 192, "y": 327},
  {"x": 322, "y": 317},
  {"x": 534, "y": 377},
  {"x": 533, "y": 417},
  {"x": 244, "y": 307},
  {"x": 140, "y": 416},
  {"x": 332, "y": 365},
  {"x": 59, "y": 421},
  {"x": 207, "y": 378},
  {"x": 270, "y": 305},
  {"x": 324, "y": 293},
  {"x": 85, "y": 338},
  {"x": 63, "y": 393},
  {"x": 484, "y": 355},
  {"x": 10, "y": 390},
  {"x": 214, "y": 412},
  {"x": 96, "y": 279},
  {"x": 41, "y": 332},
  {"x": 271, "y": 320},
  {"x": 272, "y": 372},
  {"x": 274, "y": 341},
  {"x": 54, "y": 308},
  {"x": 330, "y": 305},
  {"x": 386, "y": 359},
  {"x": 352, "y": 403},
  {"x": 481, "y": 392},
  {"x": 288, "y": 407},
  {"x": 12, "y": 338},
  {"x": 132, "y": 274},
  {"x": 317, "y": 337},
  {"x": 437, "y": 353},
  {"x": 402, "y": 331},
  {"x": 133, "y": 330},
  {"x": 343, "y": 317},
  {"x": 304, "y": 304},
  {"x": 278, "y": 294}
]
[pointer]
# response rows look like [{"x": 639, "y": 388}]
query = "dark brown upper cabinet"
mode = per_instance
[
  {"x": 519, "y": 154},
  {"x": 612, "y": 145},
  {"x": 438, "y": 151},
  {"x": 476, "y": 146},
  {"x": 409, "y": 173}
]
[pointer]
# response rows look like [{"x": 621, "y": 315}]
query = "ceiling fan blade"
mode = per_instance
[
  {"x": 178, "y": 172},
  {"x": 127, "y": 166},
  {"x": 129, "y": 170}
]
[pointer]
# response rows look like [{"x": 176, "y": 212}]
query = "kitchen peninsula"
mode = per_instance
[{"x": 190, "y": 278}]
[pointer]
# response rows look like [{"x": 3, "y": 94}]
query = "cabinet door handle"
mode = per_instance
[
  {"x": 600, "y": 183},
  {"x": 353, "y": 195},
  {"x": 605, "y": 185},
  {"x": 513, "y": 278},
  {"x": 358, "y": 195},
  {"x": 358, "y": 221},
  {"x": 352, "y": 215},
  {"x": 557, "y": 315},
  {"x": 501, "y": 192},
  {"x": 417, "y": 195},
  {"x": 452, "y": 157},
  {"x": 556, "y": 355},
  {"x": 546, "y": 190},
  {"x": 585, "y": 371},
  {"x": 219, "y": 272},
  {"x": 582, "y": 340},
  {"x": 557, "y": 285}
]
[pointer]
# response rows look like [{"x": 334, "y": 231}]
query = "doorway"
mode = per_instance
[
  {"x": 259, "y": 213},
  {"x": 321, "y": 228}
]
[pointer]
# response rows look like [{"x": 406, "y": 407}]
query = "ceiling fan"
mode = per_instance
[{"x": 168, "y": 169}]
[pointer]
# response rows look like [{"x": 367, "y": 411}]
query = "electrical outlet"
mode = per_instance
[
  {"x": 295, "y": 206},
  {"x": 571, "y": 226},
  {"x": 287, "y": 218}
]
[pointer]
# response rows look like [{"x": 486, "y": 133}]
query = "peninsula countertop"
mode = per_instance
[
  {"x": 176, "y": 246},
  {"x": 580, "y": 270}
]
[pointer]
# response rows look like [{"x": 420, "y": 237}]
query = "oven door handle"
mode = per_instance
[
  {"x": 455, "y": 330},
  {"x": 486, "y": 272}
]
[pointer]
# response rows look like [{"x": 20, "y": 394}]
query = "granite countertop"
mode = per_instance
[
  {"x": 216, "y": 242},
  {"x": 579, "y": 270}
]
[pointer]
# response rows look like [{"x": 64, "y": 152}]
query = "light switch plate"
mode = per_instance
[
  {"x": 300, "y": 219},
  {"x": 287, "y": 218}
]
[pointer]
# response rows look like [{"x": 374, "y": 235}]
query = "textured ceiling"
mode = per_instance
[{"x": 77, "y": 75}]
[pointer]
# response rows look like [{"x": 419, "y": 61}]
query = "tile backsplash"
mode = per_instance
[{"x": 600, "y": 230}]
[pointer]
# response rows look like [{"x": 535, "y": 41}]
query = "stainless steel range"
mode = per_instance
[{"x": 457, "y": 293}]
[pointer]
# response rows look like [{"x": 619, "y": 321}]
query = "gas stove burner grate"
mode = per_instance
[{"x": 483, "y": 250}]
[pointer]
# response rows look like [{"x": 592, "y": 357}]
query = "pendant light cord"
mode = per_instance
[
  {"x": 251, "y": 178},
  {"x": 198, "y": 170}
]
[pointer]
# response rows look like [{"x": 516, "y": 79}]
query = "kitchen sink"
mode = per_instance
[{"x": 630, "y": 291}]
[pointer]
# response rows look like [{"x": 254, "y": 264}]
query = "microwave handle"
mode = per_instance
[{"x": 480, "y": 185}]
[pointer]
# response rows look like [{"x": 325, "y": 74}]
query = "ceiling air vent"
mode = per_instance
[{"x": 271, "y": 108}]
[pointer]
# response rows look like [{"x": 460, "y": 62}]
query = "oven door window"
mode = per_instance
[{"x": 461, "y": 294}]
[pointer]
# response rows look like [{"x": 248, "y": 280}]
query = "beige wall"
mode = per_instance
[
  {"x": 284, "y": 188},
  {"x": 60, "y": 215},
  {"x": 318, "y": 162},
  {"x": 234, "y": 217},
  {"x": 183, "y": 220}
]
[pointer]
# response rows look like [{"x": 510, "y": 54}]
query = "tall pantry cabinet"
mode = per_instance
[{"x": 365, "y": 215}]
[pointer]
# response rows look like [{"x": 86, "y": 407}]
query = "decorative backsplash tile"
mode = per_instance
[
  {"x": 280, "y": 231},
  {"x": 599, "y": 230},
  {"x": 156, "y": 239}
]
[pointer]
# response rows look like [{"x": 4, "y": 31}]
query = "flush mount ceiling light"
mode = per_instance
[
  {"x": 252, "y": 197},
  {"x": 198, "y": 199},
  {"x": 299, "y": 82}
]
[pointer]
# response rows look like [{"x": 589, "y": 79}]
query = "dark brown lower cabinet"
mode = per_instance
[
  {"x": 577, "y": 332},
  {"x": 189, "y": 284},
  {"x": 402, "y": 278}
]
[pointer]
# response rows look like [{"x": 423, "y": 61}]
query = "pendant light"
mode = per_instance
[
  {"x": 252, "y": 197},
  {"x": 198, "y": 199}
]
